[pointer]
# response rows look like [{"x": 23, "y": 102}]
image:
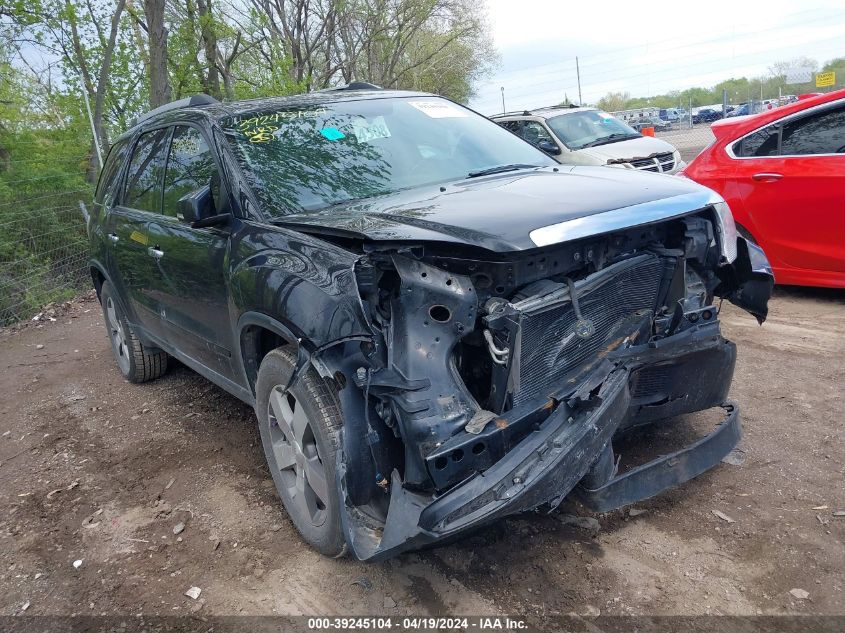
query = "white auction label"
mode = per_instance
[{"x": 438, "y": 109}]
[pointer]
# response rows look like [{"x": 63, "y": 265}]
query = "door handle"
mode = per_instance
[
  {"x": 155, "y": 253},
  {"x": 766, "y": 177},
  {"x": 114, "y": 237}
]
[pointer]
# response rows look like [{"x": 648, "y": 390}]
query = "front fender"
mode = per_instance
[
  {"x": 748, "y": 281},
  {"x": 306, "y": 286}
]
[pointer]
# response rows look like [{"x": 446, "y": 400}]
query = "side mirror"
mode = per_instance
[
  {"x": 195, "y": 205},
  {"x": 548, "y": 147},
  {"x": 197, "y": 209}
]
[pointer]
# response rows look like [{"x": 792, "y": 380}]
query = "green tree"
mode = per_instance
[{"x": 614, "y": 101}]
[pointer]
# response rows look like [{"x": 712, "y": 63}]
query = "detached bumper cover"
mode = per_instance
[
  {"x": 666, "y": 471},
  {"x": 552, "y": 459},
  {"x": 545, "y": 466}
]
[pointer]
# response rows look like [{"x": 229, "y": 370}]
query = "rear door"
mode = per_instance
[
  {"x": 132, "y": 267},
  {"x": 191, "y": 262},
  {"x": 791, "y": 175}
]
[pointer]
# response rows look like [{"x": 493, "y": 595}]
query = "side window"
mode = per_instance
[
  {"x": 820, "y": 133},
  {"x": 535, "y": 132},
  {"x": 513, "y": 126},
  {"x": 114, "y": 161},
  {"x": 190, "y": 166},
  {"x": 143, "y": 187},
  {"x": 763, "y": 142}
]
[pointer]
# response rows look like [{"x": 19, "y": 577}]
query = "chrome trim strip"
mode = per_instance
[{"x": 625, "y": 217}]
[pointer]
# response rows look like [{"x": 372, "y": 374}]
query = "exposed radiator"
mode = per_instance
[{"x": 552, "y": 341}]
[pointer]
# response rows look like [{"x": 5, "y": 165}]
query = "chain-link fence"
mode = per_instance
[{"x": 43, "y": 251}]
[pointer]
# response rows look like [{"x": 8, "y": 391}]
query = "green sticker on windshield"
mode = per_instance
[{"x": 332, "y": 133}]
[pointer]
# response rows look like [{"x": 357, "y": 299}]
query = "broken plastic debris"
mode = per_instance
[
  {"x": 77, "y": 564},
  {"x": 735, "y": 458},
  {"x": 193, "y": 592},
  {"x": 723, "y": 516},
  {"x": 585, "y": 523},
  {"x": 801, "y": 594}
]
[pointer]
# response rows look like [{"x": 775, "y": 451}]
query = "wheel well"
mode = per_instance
[
  {"x": 744, "y": 232},
  {"x": 98, "y": 278},
  {"x": 256, "y": 342}
]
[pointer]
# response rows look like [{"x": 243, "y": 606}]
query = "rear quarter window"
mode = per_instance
[{"x": 763, "y": 142}]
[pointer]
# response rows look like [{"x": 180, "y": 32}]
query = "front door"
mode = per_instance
[{"x": 191, "y": 262}]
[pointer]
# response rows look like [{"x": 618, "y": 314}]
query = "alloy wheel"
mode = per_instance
[
  {"x": 117, "y": 336},
  {"x": 296, "y": 456}
]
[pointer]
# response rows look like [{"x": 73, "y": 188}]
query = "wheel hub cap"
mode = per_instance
[
  {"x": 295, "y": 455},
  {"x": 117, "y": 336}
]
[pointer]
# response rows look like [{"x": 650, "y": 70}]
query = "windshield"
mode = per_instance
[
  {"x": 311, "y": 157},
  {"x": 579, "y": 129}
]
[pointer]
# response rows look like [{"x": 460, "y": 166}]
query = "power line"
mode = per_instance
[
  {"x": 733, "y": 36},
  {"x": 611, "y": 76}
]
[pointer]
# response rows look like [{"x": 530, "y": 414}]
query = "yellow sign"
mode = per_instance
[
  {"x": 823, "y": 80},
  {"x": 135, "y": 236}
]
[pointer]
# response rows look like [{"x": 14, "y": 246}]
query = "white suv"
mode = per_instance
[{"x": 587, "y": 136}]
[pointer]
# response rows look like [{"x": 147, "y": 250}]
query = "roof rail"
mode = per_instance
[
  {"x": 353, "y": 85},
  {"x": 361, "y": 85},
  {"x": 513, "y": 113},
  {"x": 187, "y": 102},
  {"x": 562, "y": 106}
]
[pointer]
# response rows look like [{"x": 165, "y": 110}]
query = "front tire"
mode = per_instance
[
  {"x": 136, "y": 362},
  {"x": 300, "y": 434}
]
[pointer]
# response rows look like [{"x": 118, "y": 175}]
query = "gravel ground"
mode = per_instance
[{"x": 98, "y": 470}]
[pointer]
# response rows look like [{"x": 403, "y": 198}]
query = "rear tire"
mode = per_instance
[
  {"x": 300, "y": 433},
  {"x": 136, "y": 362}
]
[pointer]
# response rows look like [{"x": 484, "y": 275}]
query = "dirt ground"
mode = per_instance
[{"x": 97, "y": 470}]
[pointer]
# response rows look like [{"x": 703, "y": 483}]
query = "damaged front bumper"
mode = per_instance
[
  {"x": 566, "y": 438},
  {"x": 634, "y": 367}
]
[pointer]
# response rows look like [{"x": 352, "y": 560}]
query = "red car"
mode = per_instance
[{"x": 783, "y": 174}]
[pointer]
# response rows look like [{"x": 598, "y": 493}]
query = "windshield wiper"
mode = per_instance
[
  {"x": 617, "y": 136},
  {"x": 499, "y": 169}
]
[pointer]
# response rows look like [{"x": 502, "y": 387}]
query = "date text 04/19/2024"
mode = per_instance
[{"x": 412, "y": 623}]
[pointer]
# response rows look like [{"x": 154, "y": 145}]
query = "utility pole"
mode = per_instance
[
  {"x": 503, "y": 100},
  {"x": 578, "y": 73},
  {"x": 91, "y": 121}
]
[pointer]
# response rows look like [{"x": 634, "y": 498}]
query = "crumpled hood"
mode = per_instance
[{"x": 499, "y": 212}]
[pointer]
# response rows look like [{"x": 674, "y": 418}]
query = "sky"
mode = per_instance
[{"x": 646, "y": 48}]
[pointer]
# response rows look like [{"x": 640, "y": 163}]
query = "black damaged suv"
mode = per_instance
[{"x": 436, "y": 324}]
